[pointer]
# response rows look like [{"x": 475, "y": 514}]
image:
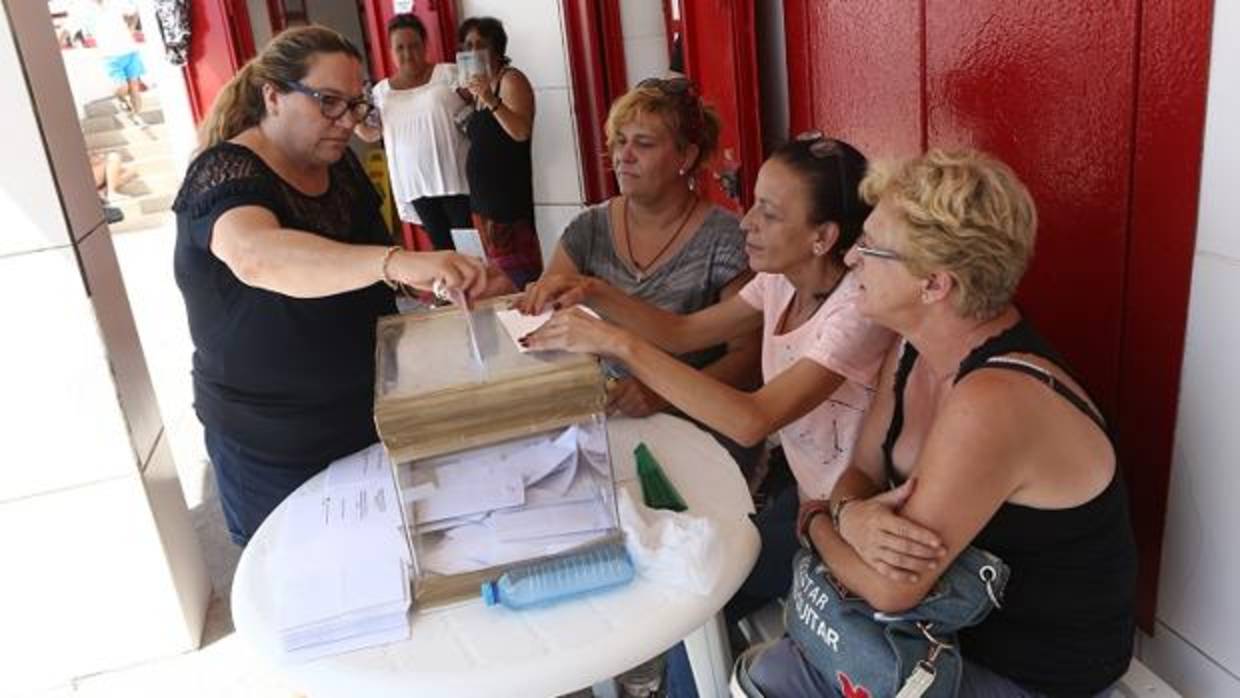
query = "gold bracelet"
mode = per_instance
[
  {"x": 387, "y": 258},
  {"x": 837, "y": 510}
]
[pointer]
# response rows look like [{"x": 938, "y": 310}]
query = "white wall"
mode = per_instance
[
  {"x": 260, "y": 22},
  {"x": 536, "y": 44},
  {"x": 101, "y": 567},
  {"x": 1196, "y": 646},
  {"x": 645, "y": 39},
  {"x": 344, "y": 17}
]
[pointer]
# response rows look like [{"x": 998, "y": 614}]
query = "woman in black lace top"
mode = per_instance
[{"x": 285, "y": 263}]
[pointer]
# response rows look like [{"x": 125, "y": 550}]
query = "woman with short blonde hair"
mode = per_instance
[
  {"x": 966, "y": 213},
  {"x": 659, "y": 241}
]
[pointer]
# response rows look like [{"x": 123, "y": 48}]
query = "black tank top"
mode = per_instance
[
  {"x": 501, "y": 184},
  {"x": 1066, "y": 625}
]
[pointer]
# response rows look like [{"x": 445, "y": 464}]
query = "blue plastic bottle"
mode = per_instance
[{"x": 548, "y": 581}]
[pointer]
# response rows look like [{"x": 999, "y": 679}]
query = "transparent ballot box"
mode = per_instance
[{"x": 500, "y": 456}]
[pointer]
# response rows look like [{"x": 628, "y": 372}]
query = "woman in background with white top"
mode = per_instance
[{"x": 425, "y": 150}]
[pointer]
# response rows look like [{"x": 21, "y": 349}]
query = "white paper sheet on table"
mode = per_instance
[{"x": 342, "y": 571}]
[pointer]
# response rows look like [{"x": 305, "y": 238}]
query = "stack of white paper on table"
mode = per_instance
[
  {"x": 511, "y": 501},
  {"x": 341, "y": 569}
]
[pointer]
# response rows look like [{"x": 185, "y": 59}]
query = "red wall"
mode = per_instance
[
  {"x": 721, "y": 57},
  {"x": 1099, "y": 108},
  {"x": 220, "y": 43}
]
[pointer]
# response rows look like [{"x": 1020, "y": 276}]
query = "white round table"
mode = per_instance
[{"x": 471, "y": 650}]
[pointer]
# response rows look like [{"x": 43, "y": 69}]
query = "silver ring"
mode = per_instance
[{"x": 440, "y": 289}]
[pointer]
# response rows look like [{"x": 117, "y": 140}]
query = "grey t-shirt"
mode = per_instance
[{"x": 687, "y": 282}]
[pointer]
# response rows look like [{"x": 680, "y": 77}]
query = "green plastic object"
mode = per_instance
[{"x": 657, "y": 491}]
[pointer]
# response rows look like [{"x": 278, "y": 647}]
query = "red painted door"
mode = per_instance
[
  {"x": 1099, "y": 108},
  {"x": 220, "y": 43},
  {"x": 721, "y": 57}
]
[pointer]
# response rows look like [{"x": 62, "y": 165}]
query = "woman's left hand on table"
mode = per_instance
[{"x": 572, "y": 329}]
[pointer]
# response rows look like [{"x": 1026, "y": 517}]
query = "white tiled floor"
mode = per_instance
[{"x": 224, "y": 667}]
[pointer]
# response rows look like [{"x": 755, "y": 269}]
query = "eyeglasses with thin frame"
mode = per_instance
[
  {"x": 334, "y": 106},
  {"x": 822, "y": 147},
  {"x": 877, "y": 252}
]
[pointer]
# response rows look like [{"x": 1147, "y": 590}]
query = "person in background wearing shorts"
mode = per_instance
[{"x": 112, "y": 26}]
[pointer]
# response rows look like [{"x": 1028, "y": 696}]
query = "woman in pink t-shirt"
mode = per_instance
[{"x": 820, "y": 356}]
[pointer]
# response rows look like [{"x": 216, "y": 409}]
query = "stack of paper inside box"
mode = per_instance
[{"x": 499, "y": 460}]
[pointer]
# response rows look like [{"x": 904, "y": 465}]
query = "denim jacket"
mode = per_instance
[{"x": 866, "y": 652}]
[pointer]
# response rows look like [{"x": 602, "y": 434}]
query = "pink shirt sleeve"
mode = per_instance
[
  {"x": 754, "y": 292},
  {"x": 848, "y": 343}
]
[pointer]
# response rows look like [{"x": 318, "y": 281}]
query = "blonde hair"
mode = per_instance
[
  {"x": 690, "y": 120},
  {"x": 285, "y": 59},
  {"x": 969, "y": 215}
]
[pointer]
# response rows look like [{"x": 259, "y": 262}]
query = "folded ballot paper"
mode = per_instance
[{"x": 341, "y": 568}]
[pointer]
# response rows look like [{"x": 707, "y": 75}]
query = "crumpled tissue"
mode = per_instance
[{"x": 677, "y": 549}]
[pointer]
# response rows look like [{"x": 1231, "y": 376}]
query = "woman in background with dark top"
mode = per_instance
[
  {"x": 285, "y": 264},
  {"x": 500, "y": 175},
  {"x": 425, "y": 150}
]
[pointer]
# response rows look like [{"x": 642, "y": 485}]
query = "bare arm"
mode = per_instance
[
  {"x": 743, "y": 416},
  {"x": 726, "y": 320},
  {"x": 515, "y": 111},
  {"x": 560, "y": 263},
  {"x": 250, "y": 241},
  {"x": 739, "y": 366},
  {"x": 968, "y": 466}
]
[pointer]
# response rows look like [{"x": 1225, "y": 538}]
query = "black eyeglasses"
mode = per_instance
[
  {"x": 822, "y": 147},
  {"x": 334, "y": 106}
]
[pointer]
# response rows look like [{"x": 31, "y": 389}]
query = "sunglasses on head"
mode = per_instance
[
  {"x": 670, "y": 86},
  {"x": 822, "y": 147}
]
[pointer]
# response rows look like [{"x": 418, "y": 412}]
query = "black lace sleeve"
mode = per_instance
[
  {"x": 365, "y": 189},
  {"x": 221, "y": 178}
]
